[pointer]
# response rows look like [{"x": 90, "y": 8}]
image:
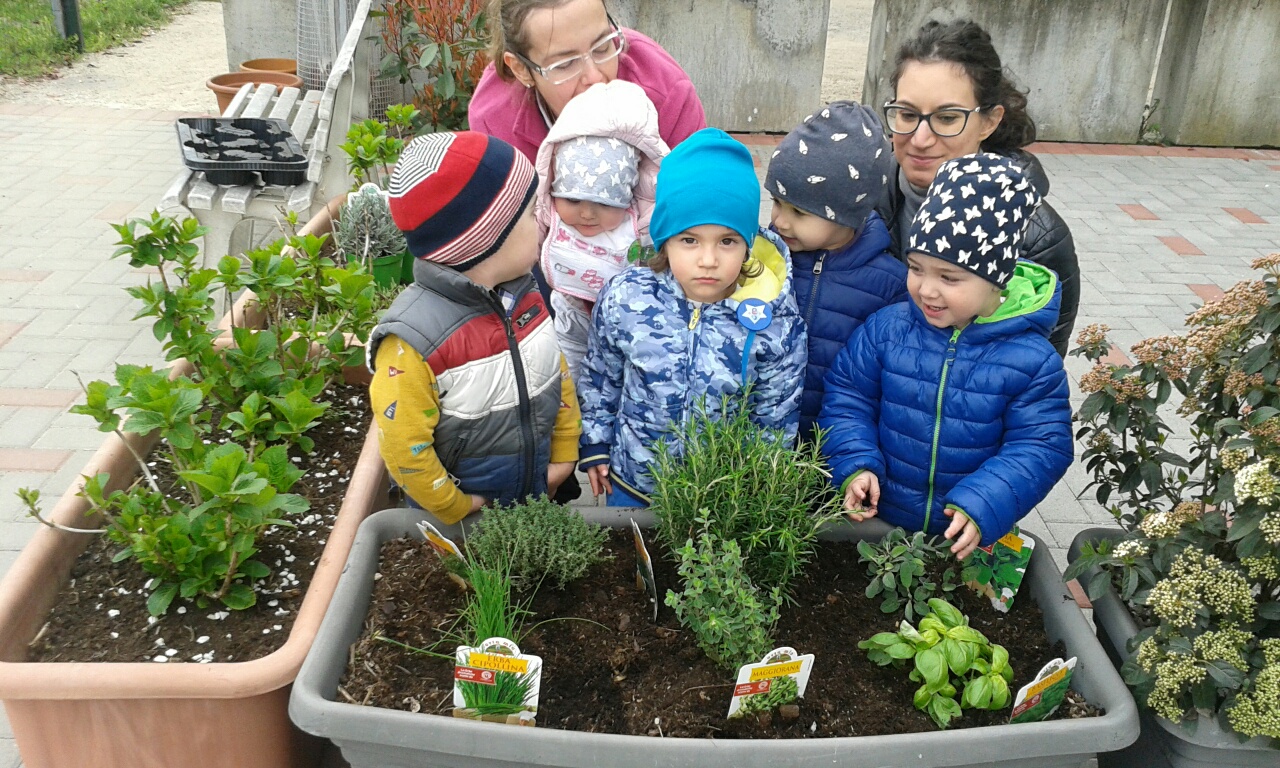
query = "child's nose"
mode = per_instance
[{"x": 707, "y": 257}]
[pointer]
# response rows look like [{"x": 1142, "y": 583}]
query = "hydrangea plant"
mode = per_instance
[{"x": 1199, "y": 559}]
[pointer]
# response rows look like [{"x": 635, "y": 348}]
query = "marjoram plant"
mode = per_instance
[
  {"x": 948, "y": 657},
  {"x": 199, "y": 539},
  {"x": 898, "y": 566},
  {"x": 1199, "y": 561}
]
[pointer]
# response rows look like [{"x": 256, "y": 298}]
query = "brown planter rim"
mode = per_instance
[
  {"x": 26, "y": 595},
  {"x": 288, "y": 66}
]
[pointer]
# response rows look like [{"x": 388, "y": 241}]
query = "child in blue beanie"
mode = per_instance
[
  {"x": 949, "y": 413},
  {"x": 709, "y": 315}
]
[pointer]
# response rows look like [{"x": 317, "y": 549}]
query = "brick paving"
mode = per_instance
[{"x": 1158, "y": 231}]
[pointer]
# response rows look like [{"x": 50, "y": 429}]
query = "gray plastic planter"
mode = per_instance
[
  {"x": 1163, "y": 744},
  {"x": 369, "y": 736}
]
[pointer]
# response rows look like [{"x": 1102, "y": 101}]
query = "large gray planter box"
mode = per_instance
[
  {"x": 370, "y": 736},
  {"x": 1163, "y": 744}
]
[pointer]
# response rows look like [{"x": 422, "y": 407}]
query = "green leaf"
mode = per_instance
[
  {"x": 901, "y": 651},
  {"x": 977, "y": 693},
  {"x": 239, "y": 597},
  {"x": 158, "y": 602},
  {"x": 946, "y": 612},
  {"x": 932, "y": 665}
]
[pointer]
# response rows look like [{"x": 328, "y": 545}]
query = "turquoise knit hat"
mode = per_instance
[{"x": 707, "y": 179}]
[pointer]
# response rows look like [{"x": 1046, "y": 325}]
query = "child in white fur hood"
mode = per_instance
[{"x": 596, "y": 175}]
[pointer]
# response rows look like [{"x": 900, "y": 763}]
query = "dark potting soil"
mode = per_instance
[
  {"x": 631, "y": 676},
  {"x": 101, "y": 614}
]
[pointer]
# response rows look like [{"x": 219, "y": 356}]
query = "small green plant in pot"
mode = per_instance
[
  {"x": 536, "y": 540},
  {"x": 898, "y": 567},
  {"x": 1198, "y": 562},
  {"x": 366, "y": 233}
]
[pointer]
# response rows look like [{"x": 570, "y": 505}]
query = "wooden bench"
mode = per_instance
[{"x": 319, "y": 120}]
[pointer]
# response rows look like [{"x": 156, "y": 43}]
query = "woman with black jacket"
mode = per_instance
[{"x": 952, "y": 98}]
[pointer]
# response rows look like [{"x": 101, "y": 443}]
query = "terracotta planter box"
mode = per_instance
[
  {"x": 370, "y": 736},
  {"x": 1164, "y": 744},
  {"x": 125, "y": 715}
]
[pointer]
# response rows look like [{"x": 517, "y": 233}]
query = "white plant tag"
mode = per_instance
[
  {"x": 759, "y": 679},
  {"x": 497, "y": 656},
  {"x": 644, "y": 569},
  {"x": 440, "y": 543},
  {"x": 1041, "y": 697}
]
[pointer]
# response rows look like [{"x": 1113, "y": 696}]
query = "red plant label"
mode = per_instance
[
  {"x": 750, "y": 689},
  {"x": 473, "y": 675}
]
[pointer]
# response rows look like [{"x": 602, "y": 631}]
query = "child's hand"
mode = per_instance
[
  {"x": 599, "y": 477},
  {"x": 557, "y": 473},
  {"x": 963, "y": 532},
  {"x": 864, "y": 487},
  {"x": 477, "y": 503}
]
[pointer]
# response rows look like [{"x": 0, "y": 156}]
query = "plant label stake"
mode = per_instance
[
  {"x": 996, "y": 571},
  {"x": 644, "y": 569},
  {"x": 443, "y": 547},
  {"x": 755, "y": 682},
  {"x": 1041, "y": 697},
  {"x": 498, "y": 664}
]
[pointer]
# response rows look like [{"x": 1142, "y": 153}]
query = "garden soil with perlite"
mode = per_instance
[{"x": 624, "y": 674}]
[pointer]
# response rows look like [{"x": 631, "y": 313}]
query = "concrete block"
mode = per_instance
[
  {"x": 258, "y": 29},
  {"x": 757, "y": 65}
]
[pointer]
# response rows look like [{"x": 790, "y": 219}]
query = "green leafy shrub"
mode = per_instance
[
  {"x": 366, "y": 231},
  {"x": 534, "y": 540},
  {"x": 1199, "y": 559},
  {"x": 724, "y": 474},
  {"x": 729, "y": 616},
  {"x": 439, "y": 46},
  {"x": 374, "y": 146},
  {"x": 897, "y": 565},
  {"x": 948, "y": 658}
]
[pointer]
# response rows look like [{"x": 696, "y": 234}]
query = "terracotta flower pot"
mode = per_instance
[
  {"x": 118, "y": 715},
  {"x": 226, "y": 86},
  {"x": 288, "y": 66}
]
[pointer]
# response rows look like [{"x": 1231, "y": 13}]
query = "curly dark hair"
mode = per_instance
[{"x": 967, "y": 45}]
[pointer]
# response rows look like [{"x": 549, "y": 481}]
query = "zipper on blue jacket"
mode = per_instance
[
  {"x": 690, "y": 358},
  {"x": 937, "y": 425},
  {"x": 812, "y": 303},
  {"x": 527, "y": 441}
]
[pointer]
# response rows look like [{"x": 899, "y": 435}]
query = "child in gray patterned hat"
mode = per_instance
[
  {"x": 598, "y": 169},
  {"x": 825, "y": 179},
  {"x": 949, "y": 414}
]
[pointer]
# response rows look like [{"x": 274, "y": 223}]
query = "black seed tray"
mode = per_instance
[{"x": 232, "y": 150}]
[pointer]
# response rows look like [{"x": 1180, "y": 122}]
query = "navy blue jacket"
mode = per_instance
[
  {"x": 976, "y": 419},
  {"x": 836, "y": 292}
]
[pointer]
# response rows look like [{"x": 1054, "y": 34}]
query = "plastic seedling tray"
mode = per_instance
[{"x": 233, "y": 150}]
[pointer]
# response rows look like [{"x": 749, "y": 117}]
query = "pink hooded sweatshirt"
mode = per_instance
[
  {"x": 509, "y": 111},
  {"x": 618, "y": 110}
]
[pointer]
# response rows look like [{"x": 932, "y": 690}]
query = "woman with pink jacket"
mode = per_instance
[
  {"x": 546, "y": 52},
  {"x": 597, "y": 171}
]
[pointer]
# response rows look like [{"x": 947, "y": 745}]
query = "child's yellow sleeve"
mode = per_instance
[
  {"x": 406, "y": 407},
  {"x": 568, "y": 428}
]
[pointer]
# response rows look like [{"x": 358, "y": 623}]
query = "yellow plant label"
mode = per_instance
[
  {"x": 775, "y": 670},
  {"x": 1012, "y": 541},
  {"x": 1039, "y": 687},
  {"x": 498, "y": 663}
]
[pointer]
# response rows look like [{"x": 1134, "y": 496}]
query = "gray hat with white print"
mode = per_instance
[
  {"x": 596, "y": 168},
  {"x": 835, "y": 164}
]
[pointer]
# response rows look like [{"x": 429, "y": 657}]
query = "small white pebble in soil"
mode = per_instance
[
  {"x": 266, "y": 631},
  {"x": 97, "y": 606},
  {"x": 160, "y": 642},
  {"x": 201, "y": 640},
  {"x": 290, "y": 559},
  {"x": 282, "y": 612},
  {"x": 161, "y": 659},
  {"x": 151, "y": 620},
  {"x": 273, "y": 603},
  {"x": 295, "y": 459},
  {"x": 113, "y": 613},
  {"x": 181, "y": 609},
  {"x": 218, "y": 615},
  {"x": 171, "y": 652},
  {"x": 115, "y": 635},
  {"x": 277, "y": 627}
]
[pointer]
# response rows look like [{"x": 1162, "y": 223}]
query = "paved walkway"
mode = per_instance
[{"x": 1157, "y": 232}]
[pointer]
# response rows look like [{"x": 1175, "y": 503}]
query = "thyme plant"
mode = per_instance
[
  {"x": 1199, "y": 559},
  {"x": 535, "y": 540}
]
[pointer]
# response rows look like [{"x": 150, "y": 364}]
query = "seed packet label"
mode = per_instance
[
  {"x": 759, "y": 678},
  {"x": 1042, "y": 696},
  {"x": 442, "y": 545},
  {"x": 487, "y": 662},
  {"x": 996, "y": 571},
  {"x": 644, "y": 569}
]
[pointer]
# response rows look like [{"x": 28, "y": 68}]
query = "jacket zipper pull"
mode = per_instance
[
  {"x": 817, "y": 265},
  {"x": 697, "y": 313}
]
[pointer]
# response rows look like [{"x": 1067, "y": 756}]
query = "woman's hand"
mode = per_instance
[
  {"x": 963, "y": 532},
  {"x": 599, "y": 477},
  {"x": 864, "y": 487}
]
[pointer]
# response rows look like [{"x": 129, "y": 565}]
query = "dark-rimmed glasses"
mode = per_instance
[{"x": 945, "y": 123}]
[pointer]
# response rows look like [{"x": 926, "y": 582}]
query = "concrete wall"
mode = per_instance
[
  {"x": 1087, "y": 63},
  {"x": 259, "y": 29},
  {"x": 757, "y": 64},
  {"x": 1220, "y": 83}
]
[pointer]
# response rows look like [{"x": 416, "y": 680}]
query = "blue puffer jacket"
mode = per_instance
[
  {"x": 976, "y": 419},
  {"x": 651, "y": 360},
  {"x": 836, "y": 292}
]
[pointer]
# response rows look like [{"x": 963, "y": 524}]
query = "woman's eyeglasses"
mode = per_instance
[
  {"x": 605, "y": 50},
  {"x": 945, "y": 123}
]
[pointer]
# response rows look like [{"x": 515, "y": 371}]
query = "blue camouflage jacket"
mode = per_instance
[
  {"x": 653, "y": 356},
  {"x": 837, "y": 291},
  {"x": 976, "y": 419}
]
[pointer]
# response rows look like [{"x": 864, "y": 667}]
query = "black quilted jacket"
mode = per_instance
[{"x": 1048, "y": 241}]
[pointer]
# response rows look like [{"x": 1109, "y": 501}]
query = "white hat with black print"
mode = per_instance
[{"x": 975, "y": 214}]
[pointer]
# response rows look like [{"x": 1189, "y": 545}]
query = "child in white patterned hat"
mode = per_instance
[{"x": 598, "y": 168}]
